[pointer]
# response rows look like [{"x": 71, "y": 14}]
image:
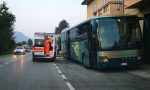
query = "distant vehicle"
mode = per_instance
[
  {"x": 19, "y": 50},
  {"x": 41, "y": 50},
  {"x": 104, "y": 42},
  {"x": 27, "y": 49}
]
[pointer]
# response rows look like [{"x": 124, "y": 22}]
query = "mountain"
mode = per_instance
[{"x": 19, "y": 37}]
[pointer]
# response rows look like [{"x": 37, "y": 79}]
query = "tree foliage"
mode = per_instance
[
  {"x": 19, "y": 44},
  {"x": 24, "y": 42},
  {"x": 7, "y": 20},
  {"x": 62, "y": 25},
  {"x": 30, "y": 42}
]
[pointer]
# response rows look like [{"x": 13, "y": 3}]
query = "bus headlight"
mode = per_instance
[
  {"x": 139, "y": 57},
  {"x": 106, "y": 60},
  {"x": 103, "y": 59}
]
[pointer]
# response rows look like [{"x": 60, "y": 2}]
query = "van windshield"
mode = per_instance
[{"x": 39, "y": 42}]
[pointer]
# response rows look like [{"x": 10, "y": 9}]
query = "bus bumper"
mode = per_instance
[{"x": 119, "y": 63}]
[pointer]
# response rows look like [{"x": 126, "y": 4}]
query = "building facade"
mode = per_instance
[
  {"x": 103, "y": 7},
  {"x": 113, "y": 7}
]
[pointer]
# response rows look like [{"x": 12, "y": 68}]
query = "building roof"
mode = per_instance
[
  {"x": 139, "y": 4},
  {"x": 86, "y": 2}
]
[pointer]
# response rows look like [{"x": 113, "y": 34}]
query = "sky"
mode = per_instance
[{"x": 44, "y": 15}]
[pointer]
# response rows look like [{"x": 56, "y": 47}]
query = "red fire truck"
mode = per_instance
[{"x": 44, "y": 47}]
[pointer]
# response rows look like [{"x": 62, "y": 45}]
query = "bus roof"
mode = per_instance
[{"x": 97, "y": 17}]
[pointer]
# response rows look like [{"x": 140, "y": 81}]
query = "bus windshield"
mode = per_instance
[{"x": 119, "y": 33}]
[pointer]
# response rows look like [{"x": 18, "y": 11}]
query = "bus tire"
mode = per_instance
[{"x": 86, "y": 66}]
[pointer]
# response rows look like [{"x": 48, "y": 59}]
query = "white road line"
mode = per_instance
[
  {"x": 70, "y": 86},
  {"x": 55, "y": 64},
  {"x": 57, "y": 67},
  {"x": 59, "y": 72},
  {"x": 7, "y": 63},
  {"x": 27, "y": 55},
  {"x": 63, "y": 76}
]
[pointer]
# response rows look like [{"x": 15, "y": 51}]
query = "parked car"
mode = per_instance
[{"x": 19, "y": 50}]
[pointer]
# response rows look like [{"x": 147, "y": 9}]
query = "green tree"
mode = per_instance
[
  {"x": 7, "y": 20},
  {"x": 30, "y": 42},
  {"x": 62, "y": 25},
  {"x": 24, "y": 42},
  {"x": 19, "y": 44}
]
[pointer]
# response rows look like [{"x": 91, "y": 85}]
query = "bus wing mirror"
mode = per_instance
[{"x": 94, "y": 26}]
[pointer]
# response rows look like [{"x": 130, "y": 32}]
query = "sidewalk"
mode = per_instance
[{"x": 143, "y": 71}]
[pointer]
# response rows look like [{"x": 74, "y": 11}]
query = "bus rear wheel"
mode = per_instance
[{"x": 84, "y": 64}]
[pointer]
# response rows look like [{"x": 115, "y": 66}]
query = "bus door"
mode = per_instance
[
  {"x": 93, "y": 50},
  {"x": 90, "y": 46},
  {"x": 146, "y": 37},
  {"x": 68, "y": 44},
  {"x": 85, "y": 47}
]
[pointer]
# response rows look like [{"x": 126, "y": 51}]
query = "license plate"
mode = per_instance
[
  {"x": 124, "y": 64},
  {"x": 38, "y": 53}
]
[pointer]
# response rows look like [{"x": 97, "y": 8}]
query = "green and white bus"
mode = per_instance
[{"x": 104, "y": 42}]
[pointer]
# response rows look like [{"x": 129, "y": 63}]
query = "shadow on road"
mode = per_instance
[
  {"x": 62, "y": 60},
  {"x": 44, "y": 61},
  {"x": 119, "y": 69}
]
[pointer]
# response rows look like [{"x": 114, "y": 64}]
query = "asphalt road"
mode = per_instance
[
  {"x": 137, "y": 78},
  {"x": 18, "y": 72}
]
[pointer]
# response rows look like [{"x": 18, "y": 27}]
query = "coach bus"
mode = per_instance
[{"x": 104, "y": 42}]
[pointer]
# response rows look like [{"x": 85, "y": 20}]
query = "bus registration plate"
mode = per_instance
[{"x": 124, "y": 64}]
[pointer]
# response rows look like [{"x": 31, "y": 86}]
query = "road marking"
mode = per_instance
[
  {"x": 63, "y": 76},
  {"x": 1, "y": 65},
  {"x": 27, "y": 54},
  {"x": 59, "y": 72},
  {"x": 7, "y": 63},
  {"x": 55, "y": 64},
  {"x": 70, "y": 86},
  {"x": 57, "y": 67}
]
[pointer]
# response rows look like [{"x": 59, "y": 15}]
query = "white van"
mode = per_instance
[{"x": 38, "y": 52}]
